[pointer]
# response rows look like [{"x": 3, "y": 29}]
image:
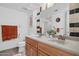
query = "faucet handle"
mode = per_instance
[{"x": 61, "y": 37}]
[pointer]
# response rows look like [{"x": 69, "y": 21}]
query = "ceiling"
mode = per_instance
[{"x": 23, "y": 7}]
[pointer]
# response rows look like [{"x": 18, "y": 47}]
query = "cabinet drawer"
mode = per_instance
[
  {"x": 52, "y": 51},
  {"x": 31, "y": 42}
]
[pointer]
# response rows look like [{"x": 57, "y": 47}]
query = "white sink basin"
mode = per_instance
[{"x": 58, "y": 41}]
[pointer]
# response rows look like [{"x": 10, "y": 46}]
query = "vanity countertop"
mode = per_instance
[{"x": 68, "y": 45}]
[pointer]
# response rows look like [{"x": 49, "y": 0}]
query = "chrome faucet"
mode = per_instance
[{"x": 61, "y": 37}]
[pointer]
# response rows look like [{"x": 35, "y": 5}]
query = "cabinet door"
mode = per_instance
[
  {"x": 40, "y": 53},
  {"x": 30, "y": 50},
  {"x": 31, "y": 42},
  {"x": 52, "y": 51}
]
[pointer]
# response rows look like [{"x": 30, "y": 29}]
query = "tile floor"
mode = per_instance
[
  {"x": 9, "y": 52},
  {"x": 12, "y": 52},
  {"x": 20, "y": 54}
]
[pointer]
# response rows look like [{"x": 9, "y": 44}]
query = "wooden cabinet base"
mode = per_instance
[
  {"x": 35, "y": 48},
  {"x": 53, "y": 51}
]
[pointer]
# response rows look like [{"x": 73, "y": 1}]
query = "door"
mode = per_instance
[
  {"x": 30, "y": 50},
  {"x": 40, "y": 53}
]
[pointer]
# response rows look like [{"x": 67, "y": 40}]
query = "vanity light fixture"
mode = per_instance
[
  {"x": 38, "y": 20},
  {"x": 57, "y": 19},
  {"x": 38, "y": 13}
]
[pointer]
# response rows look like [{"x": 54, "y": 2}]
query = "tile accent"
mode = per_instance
[
  {"x": 73, "y": 11},
  {"x": 74, "y": 19},
  {"x": 74, "y": 24},
  {"x": 77, "y": 10},
  {"x": 75, "y": 29},
  {"x": 76, "y": 34},
  {"x": 73, "y": 5}
]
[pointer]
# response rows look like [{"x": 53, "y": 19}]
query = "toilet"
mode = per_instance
[{"x": 21, "y": 46}]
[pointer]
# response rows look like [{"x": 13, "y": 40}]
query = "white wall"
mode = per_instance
[
  {"x": 35, "y": 18},
  {"x": 13, "y": 17}
]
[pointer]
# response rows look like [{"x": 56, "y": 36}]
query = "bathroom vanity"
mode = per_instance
[{"x": 42, "y": 46}]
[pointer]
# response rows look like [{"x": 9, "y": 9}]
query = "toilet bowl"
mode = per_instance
[
  {"x": 21, "y": 43},
  {"x": 21, "y": 46}
]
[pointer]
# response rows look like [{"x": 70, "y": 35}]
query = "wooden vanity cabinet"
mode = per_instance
[
  {"x": 53, "y": 51},
  {"x": 31, "y": 47},
  {"x": 36, "y": 48},
  {"x": 30, "y": 50}
]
